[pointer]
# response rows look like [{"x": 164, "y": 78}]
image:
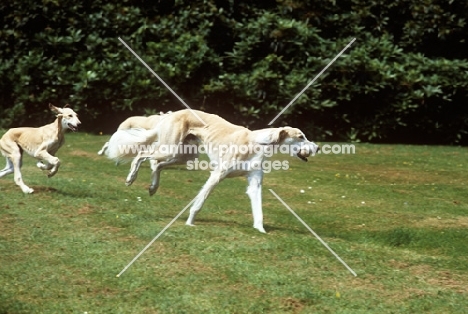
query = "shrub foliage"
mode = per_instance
[{"x": 404, "y": 79}]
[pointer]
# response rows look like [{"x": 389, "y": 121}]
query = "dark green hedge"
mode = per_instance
[{"x": 405, "y": 78}]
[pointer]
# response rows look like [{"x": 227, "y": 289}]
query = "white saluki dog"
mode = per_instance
[
  {"x": 136, "y": 122},
  {"x": 222, "y": 141},
  {"x": 42, "y": 143}
]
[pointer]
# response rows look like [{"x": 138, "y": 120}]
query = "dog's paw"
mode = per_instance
[
  {"x": 28, "y": 190},
  {"x": 152, "y": 190},
  {"x": 51, "y": 174},
  {"x": 260, "y": 229},
  {"x": 189, "y": 224},
  {"x": 130, "y": 179}
]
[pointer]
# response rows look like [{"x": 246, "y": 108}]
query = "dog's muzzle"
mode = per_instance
[
  {"x": 301, "y": 157},
  {"x": 307, "y": 150},
  {"x": 72, "y": 127}
]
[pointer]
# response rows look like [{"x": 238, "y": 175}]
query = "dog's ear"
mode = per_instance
[
  {"x": 269, "y": 136},
  {"x": 54, "y": 109}
]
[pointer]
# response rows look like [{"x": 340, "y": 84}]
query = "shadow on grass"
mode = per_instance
[
  {"x": 72, "y": 192},
  {"x": 44, "y": 189},
  {"x": 450, "y": 242},
  {"x": 247, "y": 226},
  {"x": 8, "y": 306},
  {"x": 422, "y": 238},
  {"x": 206, "y": 223}
]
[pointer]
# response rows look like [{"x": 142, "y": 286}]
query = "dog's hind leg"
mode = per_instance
[
  {"x": 155, "y": 176},
  {"x": 16, "y": 159},
  {"x": 156, "y": 168},
  {"x": 185, "y": 153},
  {"x": 134, "y": 167},
  {"x": 8, "y": 168},
  {"x": 213, "y": 180},
  {"x": 254, "y": 191},
  {"x": 14, "y": 155}
]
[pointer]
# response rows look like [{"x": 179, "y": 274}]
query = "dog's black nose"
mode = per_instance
[{"x": 318, "y": 149}]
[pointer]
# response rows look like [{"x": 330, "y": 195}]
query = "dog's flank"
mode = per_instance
[
  {"x": 142, "y": 122},
  {"x": 136, "y": 122},
  {"x": 41, "y": 143},
  {"x": 179, "y": 126}
]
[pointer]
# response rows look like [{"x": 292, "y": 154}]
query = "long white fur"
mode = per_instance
[
  {"x": 127, "y": 139},
  {"x": 41, "y": 143},
  {"x": 178, "y": 126},
  {"x": 136, "y": 122}
]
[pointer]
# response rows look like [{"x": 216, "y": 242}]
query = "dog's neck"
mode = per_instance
[{"x": 60, "y": 129}]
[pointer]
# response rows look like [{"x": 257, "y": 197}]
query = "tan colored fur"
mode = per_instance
[
  {"x": 41, "y": 143},
  {"x": 214, "y": 132},
  {"x": 140, "y": 122}
]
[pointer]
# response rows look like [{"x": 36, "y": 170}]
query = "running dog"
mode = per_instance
[
  {"x": 223, "y": 140},
  {"x": 41, "y": 143}
]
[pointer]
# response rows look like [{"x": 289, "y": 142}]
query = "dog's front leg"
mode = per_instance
[
  {"x": 213, "y": 180},
  {"x": 155, "y": 175},
  {"x": 43, "y": 165},
  {"x": 50, "y": 160},
  {"x": 254, "y": 191}
]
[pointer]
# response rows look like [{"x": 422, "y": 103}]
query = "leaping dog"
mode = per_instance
[
  {"x": 220, "y": 139},
  {"x": 41, "y": 143}
]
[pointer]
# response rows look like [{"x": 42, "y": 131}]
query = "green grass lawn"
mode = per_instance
[{"x": 396, "y": 214}]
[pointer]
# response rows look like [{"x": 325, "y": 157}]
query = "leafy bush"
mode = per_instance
[{"x": 403, "y": 80}]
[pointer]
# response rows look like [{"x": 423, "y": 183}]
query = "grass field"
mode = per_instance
[{"x": 398, "y": 216}]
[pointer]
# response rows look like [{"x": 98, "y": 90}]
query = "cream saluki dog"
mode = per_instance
[
  {"x": 136, "y": 122},
  {"x": 222, "y": 141},
  {"x": 42, "y": 143}
]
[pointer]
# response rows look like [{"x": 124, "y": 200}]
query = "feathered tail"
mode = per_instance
[{"x": 124, "y": 145}]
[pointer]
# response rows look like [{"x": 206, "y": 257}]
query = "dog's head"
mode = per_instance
[
  {"x": 299, "y": 145},
  {"x": 69, "y": 117}
]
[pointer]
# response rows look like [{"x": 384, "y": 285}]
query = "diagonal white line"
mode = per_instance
[
  {"x": 161, "y": 80},
  {"x": 312, "y": 82},
  {"x": 312, "y": 231},
  {"x": 155, "y": 238}
]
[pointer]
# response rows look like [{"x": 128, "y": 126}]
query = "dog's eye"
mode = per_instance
[{"x": 301, "y": 137}]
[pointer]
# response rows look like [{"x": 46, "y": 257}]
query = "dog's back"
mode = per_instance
[
  {"x": 207, "y": 127},
  {"x": 30, "y": 139},
  {"x": 140, "y": 122}
]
